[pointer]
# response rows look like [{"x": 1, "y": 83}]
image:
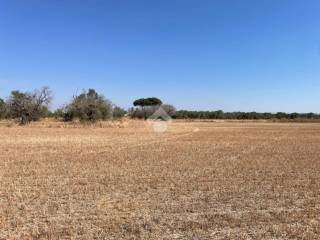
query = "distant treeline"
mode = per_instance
[
  {"x": 33, "y": 106},
  {"x": 184, "y": 114},
  {"x": 91, "y": 106}
]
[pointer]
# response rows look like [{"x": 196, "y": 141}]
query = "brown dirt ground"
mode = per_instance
[{"x": 198, "y": 180}]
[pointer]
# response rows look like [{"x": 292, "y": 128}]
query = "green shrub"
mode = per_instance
[
  {"x": 88, "y": 106},
  {"x": 3, "y": 109},
  {"x": 27, "y": 106},
  {"x": 118, "y": 112}
]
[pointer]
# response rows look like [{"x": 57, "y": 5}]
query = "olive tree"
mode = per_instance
[
  {"x": 88, "y": 106},
  {"x": 29, "y": 106}
]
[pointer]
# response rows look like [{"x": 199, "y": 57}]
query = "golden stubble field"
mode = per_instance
[{"x": 198, "y": 180}]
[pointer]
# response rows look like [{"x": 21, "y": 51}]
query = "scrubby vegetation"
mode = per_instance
[
  {"x": 118, "y": 112},
  {"x": 183, "y": 114},
  {"x": 91, "y": 106},
  {"x": 3, "y": 109},
  {"x": 27, "y": 106},
  {"x": 88, "y": 106}
]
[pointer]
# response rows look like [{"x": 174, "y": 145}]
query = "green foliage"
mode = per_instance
[
  {"x": 3, "y": 109},
  {"x": 88, "y": 106},
  {"x": 118, "y": 112},
  {"x": 29, "y": 106},
  {"x": 242, "y": 115},
  {"x": 144, "y": 102},
  {"x": 147, "y": 111},
  {"x": 281, "y": 115},
  {"x": 64, "y": 112},
  {"x": 143, "y": 113},
  {"x": 147, "y": 106},
  {"x": 91, "y": 106}
]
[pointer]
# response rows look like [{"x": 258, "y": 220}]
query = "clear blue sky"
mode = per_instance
[{"x": 248, "y": 55}]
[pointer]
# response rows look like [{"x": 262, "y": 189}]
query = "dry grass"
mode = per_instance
[{"x": 196, "y": 181}]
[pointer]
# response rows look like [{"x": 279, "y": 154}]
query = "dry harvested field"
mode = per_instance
[{"x": 198, "y": 180}]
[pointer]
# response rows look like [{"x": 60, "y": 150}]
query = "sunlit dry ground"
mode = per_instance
[{"x": 196, "y": 181}]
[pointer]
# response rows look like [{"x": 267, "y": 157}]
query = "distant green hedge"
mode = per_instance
[{"x": 184, "y": 114}]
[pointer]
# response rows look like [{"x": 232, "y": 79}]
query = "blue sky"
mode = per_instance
[{"x": 245, "y": 55}]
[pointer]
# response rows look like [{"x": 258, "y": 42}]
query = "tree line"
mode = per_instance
[
  {"x": 90, "y": 106},
  {"x": 32, "y": 106},
  {"x": 183, "y": 114}
]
